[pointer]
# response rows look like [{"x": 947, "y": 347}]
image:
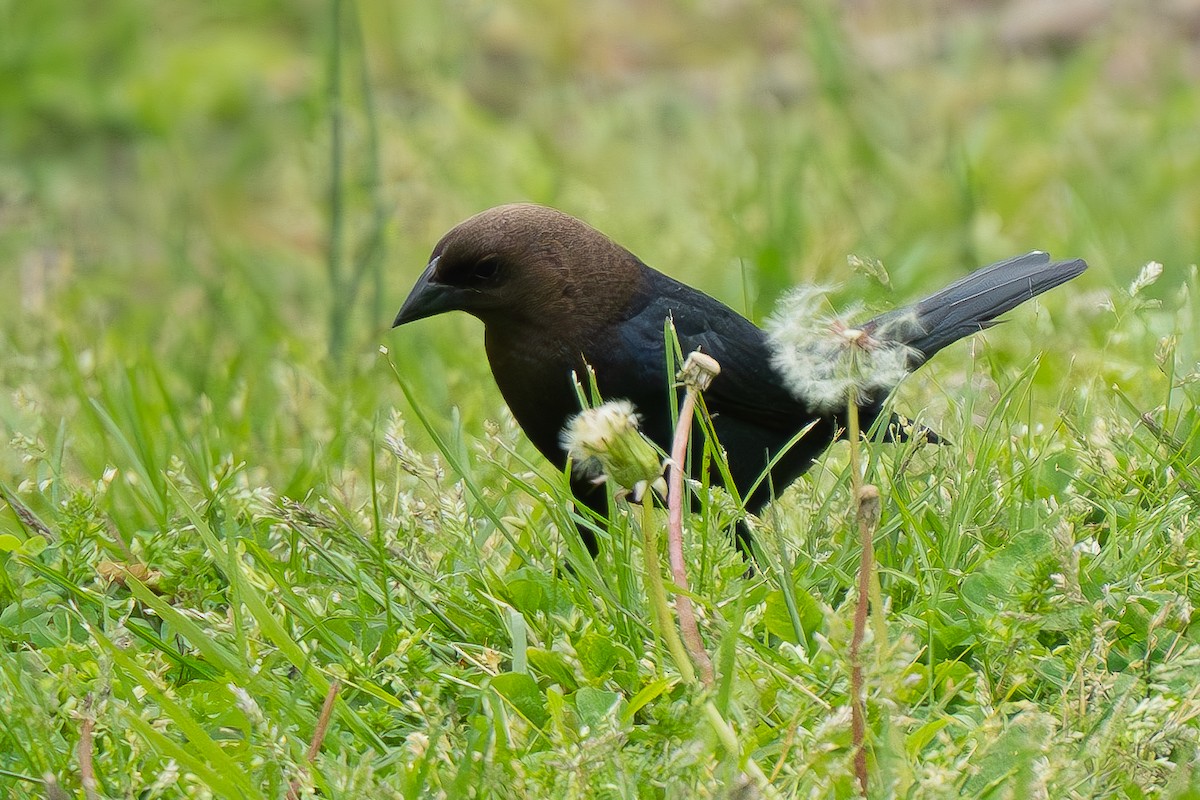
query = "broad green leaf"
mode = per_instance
[
  {"x": 522, "y": 693},
  {"x": 594, "y": 705}
]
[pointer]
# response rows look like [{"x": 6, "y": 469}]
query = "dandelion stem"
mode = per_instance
[
  {"x": 853, "y": 434},
  {"x": 87, "y": 770},
  {"x": 866, "y": 503},
  {"x": 858, "y": 721},
  {"x": 658, "y": 593},
  {"x": 683, "y": 603},
  {"x": 726, "y": 735},
  {"x": 608, "y": 436}
]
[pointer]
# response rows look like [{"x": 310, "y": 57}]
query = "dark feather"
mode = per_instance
[{"x": 972, "y": 303}]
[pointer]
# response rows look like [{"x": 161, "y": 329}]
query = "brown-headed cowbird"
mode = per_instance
[{"x": 554, "y": 295}]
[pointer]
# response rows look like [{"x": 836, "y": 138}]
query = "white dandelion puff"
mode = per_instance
[
  {"x": 826, "y": 361},
  {"x": 604, "y": 443}
]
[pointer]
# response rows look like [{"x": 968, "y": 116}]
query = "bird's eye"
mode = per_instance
[{"x": 486, "y": 268}]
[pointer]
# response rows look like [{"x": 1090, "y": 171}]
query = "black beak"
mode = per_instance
[{"x": 427, "y": 298}]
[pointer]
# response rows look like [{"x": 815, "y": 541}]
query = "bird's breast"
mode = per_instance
[{"x": 535, "y": 379}]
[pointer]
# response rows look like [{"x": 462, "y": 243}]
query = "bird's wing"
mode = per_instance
[{"x": 747, "y": 388}]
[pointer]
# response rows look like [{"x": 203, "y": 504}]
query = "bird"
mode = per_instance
[{"x": 558, "y": 298}]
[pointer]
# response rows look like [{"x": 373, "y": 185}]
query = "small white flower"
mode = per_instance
[
  {"x": 1149, "y": 274},
  {"x": 243, "y": 700}
]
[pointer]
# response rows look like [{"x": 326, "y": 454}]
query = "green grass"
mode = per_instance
[{"x": 189, "y": 351}]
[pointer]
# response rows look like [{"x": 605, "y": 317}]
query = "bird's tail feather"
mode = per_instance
[{"x": 972, "y": 303}]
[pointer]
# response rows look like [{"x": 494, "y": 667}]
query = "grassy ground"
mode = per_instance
[{"x": 221, "y": 497}]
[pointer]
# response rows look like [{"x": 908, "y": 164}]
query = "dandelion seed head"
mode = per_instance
[
  {"x": 590, "y": 432},
  {"x": 698, "y": 371},
  {"x": 824, "y": 360},
  {"x": 604, "y": 442}
]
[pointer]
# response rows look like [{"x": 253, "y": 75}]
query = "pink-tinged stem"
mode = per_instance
[
  {"x": 87, "y": 769},
  {"x": 314, "y": 746},
  {"x": 683, "y": 603},
  {"x": 858, "y": 716}
]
